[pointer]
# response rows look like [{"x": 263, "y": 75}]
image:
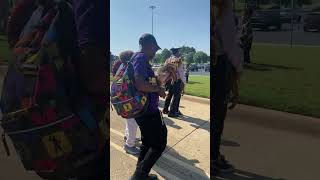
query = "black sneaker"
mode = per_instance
[
  {"x": 223, "y": 166},
  {"x": 165, "y": 111},
  {"x": 214, "y": 170},
  {"x": 141, "y": 177},
  {"x": 174, "y": 115},
  {"x": 180, "y": 113},
  {"x": 152, "y": 177}
]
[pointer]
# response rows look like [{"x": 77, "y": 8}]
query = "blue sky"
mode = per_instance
[{"x": 176, "y": 23}]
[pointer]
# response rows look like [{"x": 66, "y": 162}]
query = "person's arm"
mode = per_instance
[
  {"x": 144, "y": 86},
  {"x": 181, "y": 73},
  {"x": 140, "y": 74},
  {"x": 226, "y": 27}
]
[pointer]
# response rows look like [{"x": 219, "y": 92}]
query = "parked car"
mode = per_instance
[
  {"x": 207, "y": 68},
  {"x": 193, "y": 67},
  {"x": 287, "y": 14},
  {"x": 312, "y": 20},
  {"x": 266, "y": 19}
]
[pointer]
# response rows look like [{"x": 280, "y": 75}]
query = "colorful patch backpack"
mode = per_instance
[
  {"x": 46, "y": 115},
  {"x": 125, "y": 98}
]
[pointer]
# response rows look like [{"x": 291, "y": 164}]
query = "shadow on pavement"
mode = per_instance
[
  {"x": 195, "y": 122},
  {"x": 229, "y": 143},
  {"x": 269, "y": 67},
  {"x": 171, "y": 123},
  {"x": 191, "y": 162},
  {"x": 243, "y": 175}
]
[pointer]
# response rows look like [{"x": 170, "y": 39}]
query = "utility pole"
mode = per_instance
[
  {"x": 152, "y": 8},
  {"x": 291, "y": 36}
]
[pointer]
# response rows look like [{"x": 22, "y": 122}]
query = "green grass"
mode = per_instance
[
  {"x": 288, "y": 80},
  {"x": 198, "y": 86},
  {"x": 5, "y": 54}
]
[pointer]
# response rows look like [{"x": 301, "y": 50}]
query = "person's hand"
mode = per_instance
[
  {"x": 182, "y": 89},
  {"x": 234, "y": 102},
  {"x": 236, "y": 76},
  {"x": 235, "y": 91},
  {"x": 162, "y": 93}
]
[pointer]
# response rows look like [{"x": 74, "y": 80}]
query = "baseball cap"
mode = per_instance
[
  {"x": 147, "y": 39},
  {"x": 175, "y": 50}
]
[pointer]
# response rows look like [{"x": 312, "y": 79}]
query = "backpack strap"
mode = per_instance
[{"x": 5, "y": 144}]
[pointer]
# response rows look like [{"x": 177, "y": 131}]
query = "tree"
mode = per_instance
[
  {"x": 165, "y": 54},
  {"x": 189, "y": 58},
  {"x": 185, "y": 50},
  {"x": 201, "y": 57},
  {"x": 157, "y": 58}
]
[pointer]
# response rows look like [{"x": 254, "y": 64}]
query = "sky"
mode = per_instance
[{"x": 176, "y": 23}]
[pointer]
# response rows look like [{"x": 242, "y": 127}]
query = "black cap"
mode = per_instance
[
  {"x": 147, "y": 39},
  {"x": 174, "y": 50}
]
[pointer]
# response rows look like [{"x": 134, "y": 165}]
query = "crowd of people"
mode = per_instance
[
  {"x": 170, "y": 77},
  {"x": 84, "y": 45}
]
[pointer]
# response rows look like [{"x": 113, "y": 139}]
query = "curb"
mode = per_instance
[
  {"x": 269, "y": 118},
  {"x": 196, "y": 99},
  {"x": 276, "y": 119}
]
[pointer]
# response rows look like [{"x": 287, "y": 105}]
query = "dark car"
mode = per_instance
[
  {"x": 312, "y": 21},
  {"x": 266, "y": 19},
  {"x": 286, "y": 15},
  {"x": 207, "y": 68},
  {"x": 193, "y": 67}
]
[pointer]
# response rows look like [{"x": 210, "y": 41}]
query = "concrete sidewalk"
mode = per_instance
[
  {"x": 265, "y": 153},
  {"x": 262, "y": 144},
  {"x": 188, "y": 145}
]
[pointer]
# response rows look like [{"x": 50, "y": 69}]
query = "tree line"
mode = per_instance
[{"x": 189, "y": 54}]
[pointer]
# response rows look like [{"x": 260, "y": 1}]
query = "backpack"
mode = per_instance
[
  {"x": 125, "y": 98},
  {"x": 45, "y": 113},
  {"x": 18, "y": 18}
]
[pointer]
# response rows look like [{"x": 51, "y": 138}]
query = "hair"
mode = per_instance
[{"x": 125, "y": 56}]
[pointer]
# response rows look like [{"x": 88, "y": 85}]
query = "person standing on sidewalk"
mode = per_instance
[
  {"x": 227, "y": 63},
  {"x": 247, "y": 35},
  {"x": 131, "y": 124},
  {"x": 177, "y": 88},
  {"x": 151, "y": 124},
  {"x": 187, "y": 73}
]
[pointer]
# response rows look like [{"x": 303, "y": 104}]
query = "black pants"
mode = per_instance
[
  {"x": 154, "y": 141},
  {"x": 100, "y": 168},
  {"x": 218, "y": 104},
  {"x": 175, "y": 92},
  {"x": 187, "y": 78},
  {"x": 246, "y": 52}
]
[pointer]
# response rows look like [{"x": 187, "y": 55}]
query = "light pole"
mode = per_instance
[
  {"x": 291, "y": 34},
  {"x": 152, "y": 8}
]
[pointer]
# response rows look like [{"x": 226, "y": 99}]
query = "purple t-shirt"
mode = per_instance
[
  {"x": 143, "y": 68},
  {"x": 91, "y": 18}
]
